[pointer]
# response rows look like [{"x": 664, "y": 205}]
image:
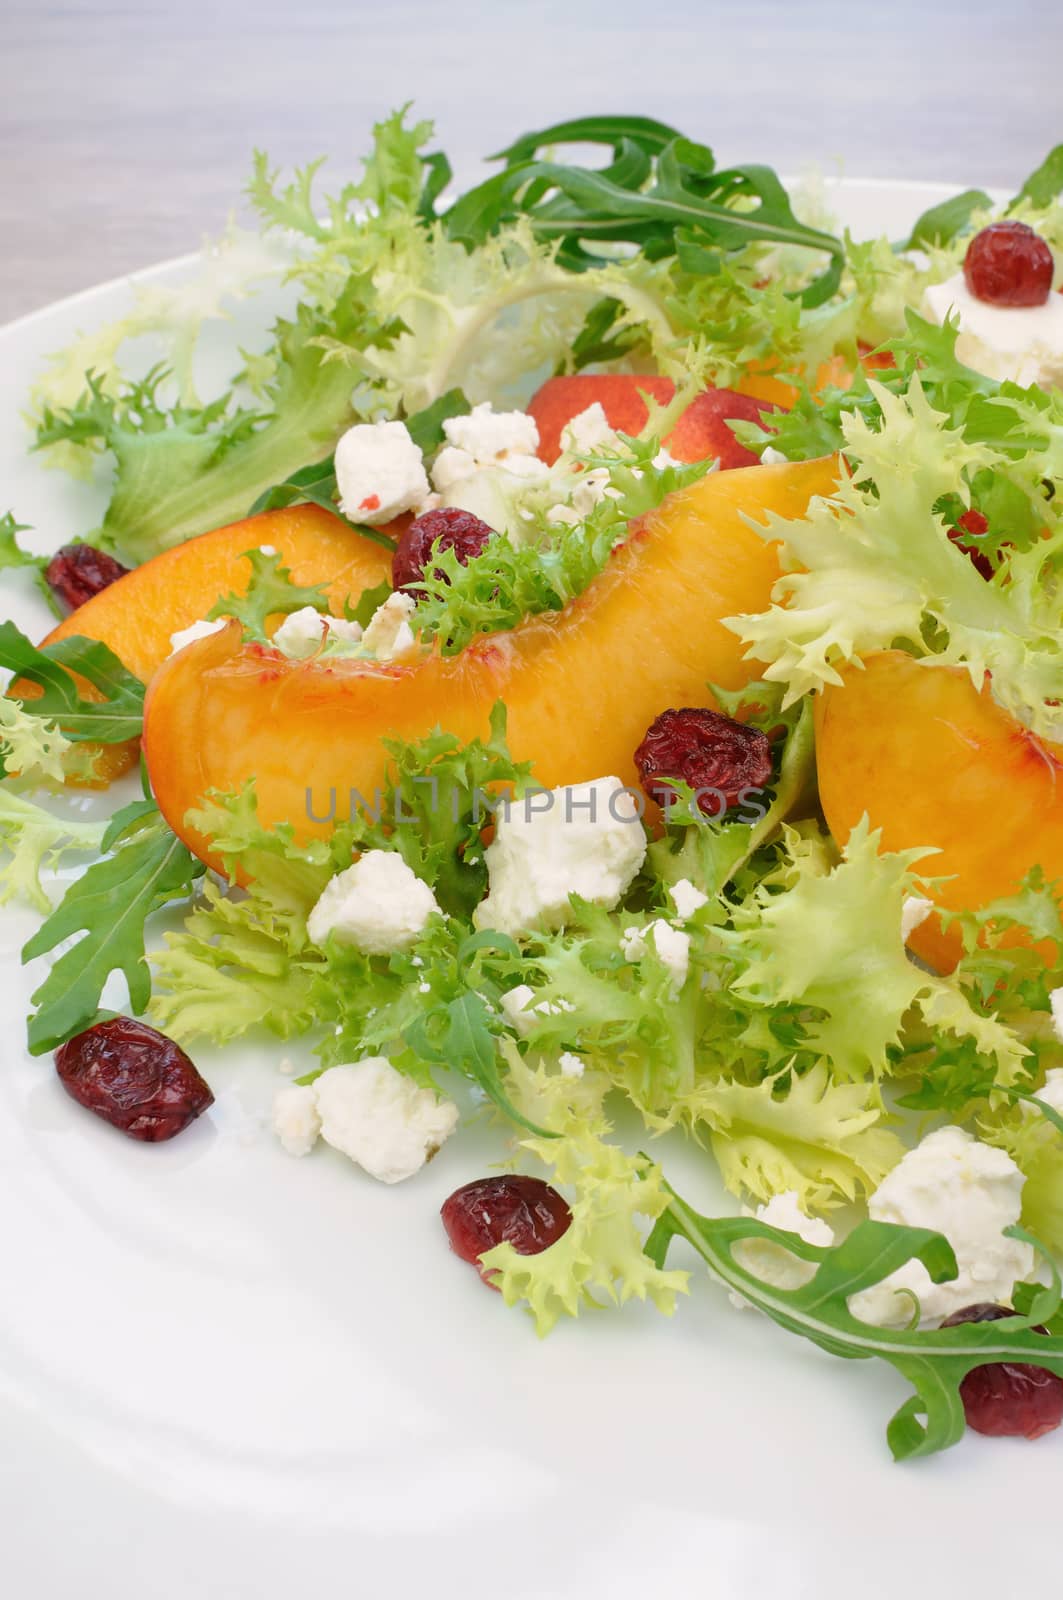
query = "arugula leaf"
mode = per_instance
[
  {"x": 116, "y": 717},
  {"x": 461, "y": 1034},
  {"x": 109, "y": 905},
  {"x": 316, "y": 485},
  {"x": 666, "y": 199},
  {"x": 1045, "y": 183},
  {"x": 425, "y": 427},
  {"x": 271, "y": 591},
  {"x": 939, "y": 225},
  {"x": 935, "y": 1362}
]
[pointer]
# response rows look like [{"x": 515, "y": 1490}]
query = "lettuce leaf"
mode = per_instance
[
  {"x": 875, "y": 565},
  {"x": 36, "y": 841},
  {"x": 600, "y": 1257}
]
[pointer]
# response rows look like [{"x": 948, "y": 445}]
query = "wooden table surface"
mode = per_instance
[{"x": 126, "y": 128}]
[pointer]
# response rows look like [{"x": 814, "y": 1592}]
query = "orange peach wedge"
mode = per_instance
[
  {"x": 581, "y": 686},
  {"x": 136, "y": 615},
  {"x": 934, "y": 761}
]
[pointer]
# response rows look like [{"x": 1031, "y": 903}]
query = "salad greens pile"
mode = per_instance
[{"x": 800, "y": 1044}]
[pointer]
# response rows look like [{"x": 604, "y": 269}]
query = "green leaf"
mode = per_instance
[
  {"x": 425, "y": 427},
  {"x": 940, "y": 224},
  {"x": 270, "y": 592},
  {"x": 112, "y": 720},
  {"x": 370, "y": 601},
  {"x": 684, "y": 199},
  {"x": 459, "y": 1035},
  {"x": 1045, "y": 183},
  {"x": 645, "y": 132},
  {"x": 37, "y": 840},
  {"x": 11, "y": 553},
  {"x": 510, "y": 580},
  {"x": 108, "y": 905},
  {"x": 935, "y": 1361}
]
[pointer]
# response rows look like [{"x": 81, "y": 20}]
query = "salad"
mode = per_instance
[{"x": 598, "y": 664}]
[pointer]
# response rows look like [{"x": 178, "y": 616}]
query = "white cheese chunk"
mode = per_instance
[
  {"x": 1023, "y": 343},
  {"x": 304, "y": 632},
  {"x": 381, "y": 1119},
  {"x": 296, "y": 1120},
  {"x": 195, "y": 630},
  {"x": 489, "y": 436},
  {"x": 914, "y": 912},
  {"x": 389, "y": 635},
  {"x": 378, "y": 904},
  {"x": 687, "y": 899},
  {"x": 968, "y": 1191},
  {"x": 379, "y": 472},
  {"x": 583, "y": 839},
  {"x": 670, "y": 944}
]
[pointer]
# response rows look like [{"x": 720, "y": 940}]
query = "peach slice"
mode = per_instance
[
  {"x": 136, "y": 615},
  {"x": 701, "y": 431},
  {"x": 581, "y": 687},
  {"x": 934, "y": 761}
]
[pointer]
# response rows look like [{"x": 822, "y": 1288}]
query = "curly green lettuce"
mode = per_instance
[{"x": 873, "y": 564}]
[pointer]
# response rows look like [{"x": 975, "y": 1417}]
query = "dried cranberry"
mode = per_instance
[
  {"x": 717, "y": 757},
  {"x": 136, "y": 1079},
  {"x": 453, "y": 528},
  {"x": 1007, "y": 1398},
  {"x": 973, "y": 525},
  {"x": 523, "y": 1212},
  {"x": 1007, "y": 264},
  {"x": 78, "y": 571}
]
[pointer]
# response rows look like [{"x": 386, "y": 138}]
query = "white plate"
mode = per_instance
[{"x": 226, "y": 1373}]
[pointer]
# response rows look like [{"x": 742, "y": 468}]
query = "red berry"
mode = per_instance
[
  {"x": 79, "y": 571},
  {"x": 719, "y": 759},
  {"x": 974, "y": 525},
  {"x": 454, "y": 529},
  {"x": 524, "y": 1212},
  {"x": 136, "y": 1079},
  {"x": 1007, "y": 264},
  {"x": 1007, "y": 1398}
]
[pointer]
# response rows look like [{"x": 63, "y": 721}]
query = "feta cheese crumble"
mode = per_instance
[
  {"x": 389, "y": 634},
  {"x": 296, "y": 1120},
  {"x": 1056, "y": 1002},
  {"x": 520, "y": 1011},
  {"x": 1052, "y": 1093},
  {"x": 588, "y": 431},
  {"x": 379, "y": 472},
  {"x": 687, "y": 899},
  {"x": 572, "y": 1066},
  {"x": 485, "y": 439},
  {"x": 1021, "y": 343},
  {"x": 380, "y": 1119},
  {"x": 583, "y": 839},
  {"x": 968, "y": 1191},
  {"x": 195, "y": 630},
  {"x": 670, "y": 944},
  {"x": 378, "y": 904},
  {"x": 489, "y": 436},
  {"x": 305, "y": 631},
  {"x": 914, "y": 912}
]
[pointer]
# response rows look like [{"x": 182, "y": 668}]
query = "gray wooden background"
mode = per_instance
[{"x": 126, "y": 128}]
